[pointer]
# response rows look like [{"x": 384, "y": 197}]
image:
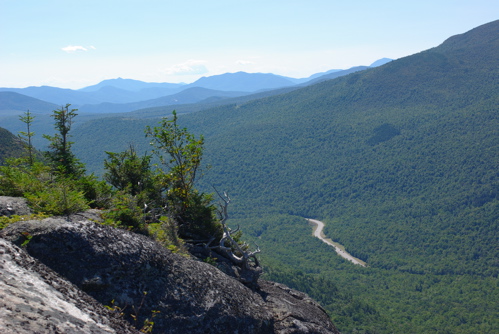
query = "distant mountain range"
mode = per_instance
[{"x": 122, "y": 95}]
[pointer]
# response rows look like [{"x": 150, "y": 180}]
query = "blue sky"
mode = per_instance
[{"x": 73, "y": 44}]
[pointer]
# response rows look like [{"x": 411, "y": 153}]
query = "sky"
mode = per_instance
[{"x": 74, "y": 44}]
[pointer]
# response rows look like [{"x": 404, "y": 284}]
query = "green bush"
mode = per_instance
[
  {"x": 98, "y": 193},
  {"x": 59, "y": 198},
  {"x": 18, "y": 177},
  {"x": 126, "y": 211},
  {"x": 198, "y": 216}
]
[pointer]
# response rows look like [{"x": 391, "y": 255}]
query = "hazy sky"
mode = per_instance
[{"x": 72, "y": 44}]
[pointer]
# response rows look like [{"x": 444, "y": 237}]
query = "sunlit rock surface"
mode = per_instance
[{"x": 34, "y": 299}]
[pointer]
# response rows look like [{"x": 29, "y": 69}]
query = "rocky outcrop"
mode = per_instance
[
  {"x": 34, "y": 299},
  {"x": 294, "y": 311},
  {"x": 13, "y": 206},
  {"x": 144, "y": 278}
]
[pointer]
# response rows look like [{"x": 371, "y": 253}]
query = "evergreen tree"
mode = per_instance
[
  {"x": 128, "y": 172},
  {"x": 28, "y": 134},
  {"x": 60, "y": 155}
]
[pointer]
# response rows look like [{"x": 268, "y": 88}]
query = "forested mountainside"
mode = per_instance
[
  {"x": 399, "y": 161},
  {"x": 10, "y": 146}
]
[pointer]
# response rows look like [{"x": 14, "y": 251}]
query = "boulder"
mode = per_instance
[
  {"x": 142, "y": 279},
  {"x": 13, "y": 206},
  {"x": 34, "y": 299}
]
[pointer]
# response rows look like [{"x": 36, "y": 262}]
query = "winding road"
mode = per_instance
[{"x": 319, "y": 234}]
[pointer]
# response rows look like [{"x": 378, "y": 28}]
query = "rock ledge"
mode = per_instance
[{"x": 141, "y": 277}]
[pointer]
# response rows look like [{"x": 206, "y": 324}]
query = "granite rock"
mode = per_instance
[
  {"x": 34, "y": 299},
  {"x": 134, "y": 273},
  {"x": 13, "y": 206}
]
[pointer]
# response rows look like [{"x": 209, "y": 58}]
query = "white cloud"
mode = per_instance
[
  {"x": 76, "y": 48},
  {"x": 245, "y": 62},
  {"x": 188, "y": 68}
]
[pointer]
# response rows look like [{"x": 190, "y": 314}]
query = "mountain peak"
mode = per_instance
[
  {"x": 129, "y": 85},
  {"x": 243, "y": 82},
  {"x": 380, "y": 62}
]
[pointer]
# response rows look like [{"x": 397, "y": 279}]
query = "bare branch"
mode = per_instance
[{"x": 227, "y": 244}]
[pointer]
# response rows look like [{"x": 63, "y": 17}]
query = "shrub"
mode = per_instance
[
  {"x": 126, "y": 211},
  {"x": 97, "y": 193},
  {"x": 18, "y": 177},
  {"x": 59, "y": 198}
]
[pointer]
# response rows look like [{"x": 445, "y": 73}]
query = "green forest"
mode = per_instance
[
  {"x": 10, "y": 146},
  {"x": 401, "y": 164}
]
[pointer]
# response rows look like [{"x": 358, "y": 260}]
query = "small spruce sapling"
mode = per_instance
[{"x": 27, "y": 135}]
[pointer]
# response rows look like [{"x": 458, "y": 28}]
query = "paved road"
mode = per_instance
[{"x": 319, "y": 234}]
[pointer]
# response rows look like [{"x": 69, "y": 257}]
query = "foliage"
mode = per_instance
[
  {"x": 165, "y": 231},
  {"x": 59, "y": 198},
  {"x": 126, "y": 211},
  {"x": 18, "y": 177},
  {"x": 211, "y": 260},
  {"x": 198, "y": 216},
  {"x": 59, "y": 191},
  {"x": 97, "y": 192},
  {"x": 128, "y": 172},
  {"x": 49, "y": 194},
  {"x": 180, "y": 154}
]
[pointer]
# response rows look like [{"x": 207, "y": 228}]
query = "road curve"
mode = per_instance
[{"x": 319, "y": 234}]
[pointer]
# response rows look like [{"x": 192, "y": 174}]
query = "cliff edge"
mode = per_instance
[{"x": 142, "y": 280}]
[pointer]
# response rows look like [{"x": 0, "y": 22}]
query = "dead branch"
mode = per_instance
[{"x": 228, "y": 245}]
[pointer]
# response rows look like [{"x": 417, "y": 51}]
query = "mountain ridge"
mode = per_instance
[
  {"x": 187, "y": 96},
  {"x": 129, "y": 90},
  {"x": 130, "y": 85}
]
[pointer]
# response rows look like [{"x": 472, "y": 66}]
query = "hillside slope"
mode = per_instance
[
  {"x": 10, "y": 146},
  {"x": 400, "y": 161},
  {"x": 15, "y": 104},
  {"x": 407, "y": 152},
  {"x": 187, "y": 96}
]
